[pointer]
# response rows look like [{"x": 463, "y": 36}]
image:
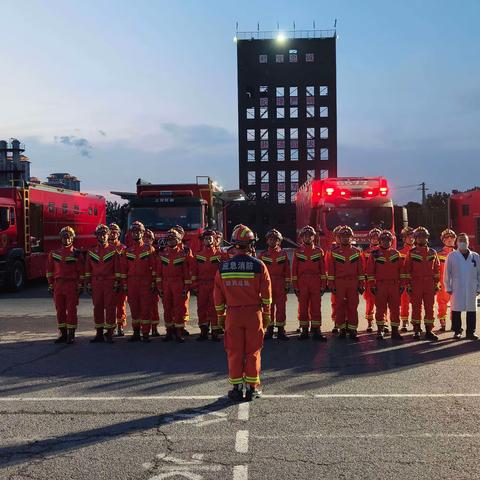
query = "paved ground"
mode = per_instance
[{"x": 335, "y": 410}]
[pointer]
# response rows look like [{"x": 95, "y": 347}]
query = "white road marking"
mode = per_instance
[
  {"x": 240, "y": 472},
  {"x": 243, "y": 411},
  {"x": 241, "y": 441},
  {"x": 199, "y": 418},
  {"x": 396, "y": 395}
]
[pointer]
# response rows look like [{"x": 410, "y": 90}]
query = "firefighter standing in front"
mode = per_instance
[
  {"x": 408, "y": 243},
  {"x": 278, "y": 265},
  {"x": 65, "y": 278},
  {"x": 346, "y": 278},
  {"x": 243, "y": 295},
  {"x": 448, "y": 238},
  {"x": 149, "y": 240},
  {"x": 373, "y": 238},
  {"x": 422, "y": 276}
]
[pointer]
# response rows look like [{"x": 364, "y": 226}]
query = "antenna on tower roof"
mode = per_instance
[
  {"x": 314, "y": 24},
  {"x": 335, "y": 24}
]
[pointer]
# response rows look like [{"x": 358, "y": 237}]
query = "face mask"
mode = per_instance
[{"x": 462, "y": 245}]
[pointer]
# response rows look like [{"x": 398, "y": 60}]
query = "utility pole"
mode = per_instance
[{"x": 424, "y": 189}]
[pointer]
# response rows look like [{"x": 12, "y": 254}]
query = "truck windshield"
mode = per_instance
[
  {"x": 163, "y": 218},
  {"x": 359, "y": 219}
]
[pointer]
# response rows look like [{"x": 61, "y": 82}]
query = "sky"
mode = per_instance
[{"x": 114, "y": 90}]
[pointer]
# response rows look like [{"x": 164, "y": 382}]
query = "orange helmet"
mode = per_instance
[
  {"x": 336, "y": 229},
  {"x": 374, "y": 232},
  {"x": 273, "y": 233},
  {"x": 67, "y": 231},
  {"x": 421, "y": 232},
  {"x": 114, "y": 226},
  {"x": 137, "y": 226},
  {"x": 307, "y": 229},
  {"x": 406, "y": 231},
  {"x": 345, "y": 230},
  {"x": 208, "y": 233},
  {"x": 101, "y": 229},
  {"x": 180, "y": 230},
  {"x": 242, "y": 235},
  {"x": 448, "y": 233},
  {"x": 149, "y": 234},
  {"x": 174, "y": 233},
  {"x": 386, "y": 234}
]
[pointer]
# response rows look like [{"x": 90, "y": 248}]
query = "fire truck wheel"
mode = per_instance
[{"x": 16, "y": 280}]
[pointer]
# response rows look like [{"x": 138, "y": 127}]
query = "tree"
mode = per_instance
[{"x": 115, "y": 212}]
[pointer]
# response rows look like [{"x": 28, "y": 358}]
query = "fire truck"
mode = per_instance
[
  {"x": 464, "y": 215},
  {"x": 31, "y": 217},
  {"x": 362, "y": 203},
  {"x": 194, "y": 206}
]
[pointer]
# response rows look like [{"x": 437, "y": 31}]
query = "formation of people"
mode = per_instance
[{"x": 243, "y": 296}]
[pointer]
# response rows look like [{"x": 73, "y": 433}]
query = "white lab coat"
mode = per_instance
[{"x": 462, "y": 278}]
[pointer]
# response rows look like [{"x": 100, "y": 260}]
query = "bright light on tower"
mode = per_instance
[
  {"x": 235, "y": 39},
  {"x": 281, "y": 37}
]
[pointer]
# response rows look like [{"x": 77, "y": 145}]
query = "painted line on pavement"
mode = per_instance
[
  {"x": 241, "y": 441},
  {"x": 396, "y": 395},
  {"x": 240, "y": 472},
  {"x": 243, "y": 411}
]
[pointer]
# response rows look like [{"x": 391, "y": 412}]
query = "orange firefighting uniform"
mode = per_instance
[
  {"x": 384, "y": 271},
  {"x": 203, "y": 268},
  {"x": 65, "y": 269},
  {"x": 346, "y": 275},
  {"x": 102, "y": 270},
  {"x": 278, "y": 265},
  {"x": 309, "y": 278},
  {"x": 405, "y": 297},
  {"x": 121, "y": 296},
  {"x": 422, "y": 274},
  {"x": 174, "y": 279},
  {"x": 138, "y": 272},
  {"x": 243, "y": 290},
  {"x": 332, "y": 294},
  {"x": 368, "y": 296},
  {"x": 189, "y": 261},
  {"x": 442, "y": 296}
]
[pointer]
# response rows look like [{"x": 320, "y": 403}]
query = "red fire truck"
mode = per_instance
[
  {"x": 30, "y": 220},
  {"x": 464, "y": 215},
  {"x": 194, "y": 206},
  {"x": 359, "y": 202}
]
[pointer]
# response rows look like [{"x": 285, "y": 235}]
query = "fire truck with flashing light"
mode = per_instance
[
  {"x": 193, "y": 206},
  {"x": 31, "y": 217},
  {"x": 362, "y": 203},
  {"x": 464, "y": 215}
]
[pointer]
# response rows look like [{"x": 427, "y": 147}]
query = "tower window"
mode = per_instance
[{"x": 262, "y": 58}]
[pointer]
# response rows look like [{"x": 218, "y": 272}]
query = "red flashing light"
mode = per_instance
[
  {"x": 329, "y": 191},
  {"x": 370, "y": 193}
]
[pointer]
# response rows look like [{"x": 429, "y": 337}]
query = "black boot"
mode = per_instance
[
  {"x": 268, "y": 333},
  {"x": 429, "y": 335},
  {"x": 185, "y": 332},
  {"x": 169, "y": 335},
  {"x": 251, "y": 393},
  {"x": 146, "y": 337},
  {"x": 404, "y": 327},
  {"x": 136, "y": 335},
  {"x": 98, "y": 338},
  {"x": 70, "y": 336},
  {"x": 236, "y": 393},
  {"x": 380, "y": 333},
  {"x": 369, "y": 328},
  {"x": 335, "y": 330},
  {"x": 395, "y": 334},
  {"x": 471, "y": 325},
  {"x": 155, "y": 331},
  {"x": 304, "y": 335},
  {"x": 343, "y": 333},
  {"x": 353, "y": 335},
  {"x": 179, "y": 332},
  {"x": 416, "y": 331},
  {"x": 62, "y": 338},
  {"x": 203, "y": 333},
  {"x": 120, "y": 332},
  {"x": 318, "y": 335},
  {"x": 281, "y": 335},
  {"x": 109, "y": 335},
  {"x": 386, "y": 330},
  {"x": 215, "y": 335}
]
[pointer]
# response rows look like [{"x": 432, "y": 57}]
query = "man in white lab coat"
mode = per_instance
[{"x": 462, "y": 281}]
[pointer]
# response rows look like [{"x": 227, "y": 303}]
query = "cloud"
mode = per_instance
[{"x": 81, "y": 144}]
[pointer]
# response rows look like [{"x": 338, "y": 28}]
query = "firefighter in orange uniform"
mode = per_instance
[
  {"x": 173, "y": 283},
  {"x": 102, "y": 279},
  {"x": 422, "y": 276},
  {"x": 346, "y": 278},
  {"x": 309, "y": 284},
  {"x": 373, "y": 236},
  {"x": 65, "y": 278},
  {"x": 278, "y": 265},
  {"x": 448, "y": 238},
  {"x": 204, "y": 267},
  {"x": 243, "y": 295},
  {"x": 120, "y": 297},
  {"x": 384, "y": 278},
  {"x": 408, "y": 243},
  {"x": 138, "y": 273},
  {"x": 335, "y": 244},
  {"x": 149, "y": 240}
]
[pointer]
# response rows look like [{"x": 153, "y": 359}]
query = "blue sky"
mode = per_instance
[{"x": 114, "y": 90}]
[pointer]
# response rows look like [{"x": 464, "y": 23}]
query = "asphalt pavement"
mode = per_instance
[{"x": 363, "y": 410}]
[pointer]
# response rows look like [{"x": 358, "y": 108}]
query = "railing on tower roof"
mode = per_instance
[{"x": 287, "y": 34}]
